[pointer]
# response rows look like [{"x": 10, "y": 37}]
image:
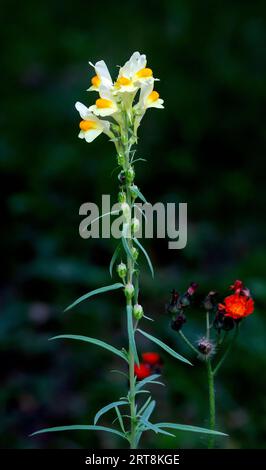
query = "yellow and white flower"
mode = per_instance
[
  {"x": 148, "y": 97},
  {"x": 133, "y": 74},
  {"x": 106, "y": 104},
  {"x": 102, "y": 76},
  {"x": 90, "y": 126}
]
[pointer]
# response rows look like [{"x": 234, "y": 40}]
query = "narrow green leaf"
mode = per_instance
[
  {"x": 139, "y": 194},
  {"x": 144, "y": 406},
  {"x": 145, "y": 254},
  {"x": 104, "y": 215},
  {"x": 185, "y": 427},
  {"x": 164, "y": 346},
  {"x": 120, "y": 419},
  {"x": 78, "y": 427},
  {"x": 98, "y": 342},
  {"x": 106, "y": 408},
  {"x": 146, "y": 414},
  {"x": 149, "y": 379},
  {"x": 153, "y": 427},
  {"x": 113, "y": 259},
  {"x": 131, "y": 334},
  {"x": 115, "y": 286}
]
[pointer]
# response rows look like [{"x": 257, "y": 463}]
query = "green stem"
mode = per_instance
[
  {"x": 227, "y": 351},
  {"x": 188, "y": 342},
  {"x": 211, "y": 402},
  {"x": 130, "y": 269}
]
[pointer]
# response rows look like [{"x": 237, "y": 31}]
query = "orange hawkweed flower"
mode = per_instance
[
  {"x": 142, "y": 371},
  {"x": 237, "y": 306},
  {"x": 151, "y": 358}
]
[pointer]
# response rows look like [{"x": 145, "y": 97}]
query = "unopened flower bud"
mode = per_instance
[
  {"x": 133, "y": 191},
  {"x": 121, "y": 270},
  {"x": 129, "y": 291},
  {"x": 209, "y": 301},
  {"x": 126, "y": 210},
  {"x": 120, "y": 160},
  {"x": 185, "y": 300},
  {"x": 122, "y": 197},
  {"x": 223, "y": 322},
  {"x": 172, "y": 306},
  {"x": 135, "y": 225},
  {"x": 130, "y": 174},
  {"x": 178, "y": 322},
  {"x": 192, "y": 288},
  {"x": 135, "y": 253},
  {"x": 138, "y": 311}
]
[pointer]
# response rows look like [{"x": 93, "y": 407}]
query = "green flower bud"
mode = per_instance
[
  {"x": 133, "y": 191},
  {"x": 121, "y": 160},
  {"x": 138, "y": 311},
  {"x": 129, "y": 291},
  {"x": 130, "y": 174},
  {"x": 135, "y": 225},
  {"x": 122, "y": 197},
  {"x": 121, "y": 270},
  {"x": 135, "y": 253}
]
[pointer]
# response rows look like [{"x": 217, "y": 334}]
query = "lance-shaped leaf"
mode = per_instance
[
  {"x": 131, "y": 334},
  {"x": 118, "y": 285},
  {"x": 185, "y": 427},
  {"x": 78, "y": 427},
  {"x": 113, "y": 259},
  {"x": 147, "y": 380},
  {"x": 95, "y": 341},
  {"x": 106, "y": 408},
  {"x": 145, "y": 254},
  {"x": 138, "y": 193},
  {"x": 153, "y": 427},
  {"x": 164, "y": 346},
  {"x": 145, "y": 415}
]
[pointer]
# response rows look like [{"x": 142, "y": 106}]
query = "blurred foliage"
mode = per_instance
[{"x": 207, "y": 148}]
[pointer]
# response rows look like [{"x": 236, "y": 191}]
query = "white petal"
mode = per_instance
[
  {"x": 103, "y": 73},
  {"x": 145, "y": 91},
  {"x": 133, "y": 65},
  {"x": 81, "y": 135},
  {"x": 156, "y": 104},
  {"x": 82, "y": 109},
  {"x": 102, "y": 111},
  {"x": 86, "y": 113},
  {"x": 92, "y": 134}
]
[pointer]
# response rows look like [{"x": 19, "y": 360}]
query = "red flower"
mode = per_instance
[
  {"x": 142, "y": 371},
  {"x": 237, "y": 306},
  {"x": 151, "y": 358}
]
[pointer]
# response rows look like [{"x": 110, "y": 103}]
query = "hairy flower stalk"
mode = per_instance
[{"x": 118, "y": 112}]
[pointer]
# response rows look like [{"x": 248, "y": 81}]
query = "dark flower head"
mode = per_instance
[
  {"x": 178, "y": 322},
  {"x": 222, "y": 322},
  {"x": 206, "y": 348},
  {"x": 172, "y": 306},
  {"x": 209, "y": 301}
]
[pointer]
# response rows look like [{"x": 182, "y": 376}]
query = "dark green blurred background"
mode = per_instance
[{"x": 207, "y": 148}]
